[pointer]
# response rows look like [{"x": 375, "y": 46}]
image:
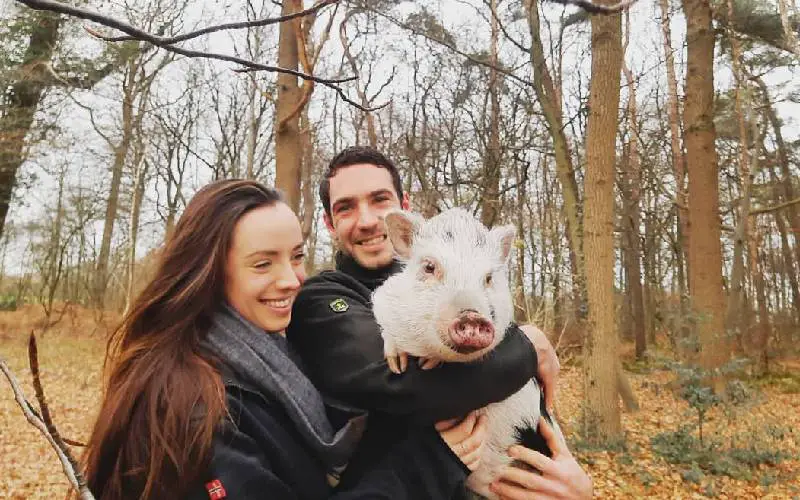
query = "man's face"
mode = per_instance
[{"x": 360, "y": 196}]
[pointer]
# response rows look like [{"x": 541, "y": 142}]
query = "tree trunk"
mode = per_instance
[
  {"x": 366, "y": 116},
  {"x": 490, "y": 201},
  {"x": 521, "y": 312},
  {"x": 602, "y": 424},
  {"x": 792, "y": 211},
  {"x": 307, "y": 215},
  {"x": 705, "y": 249},
  {"x": 54, "y": 251},
  {"x": 21, "y": 101},
  {"x": 632, "y": 181},
  {"x": 141, "y": 167},
  {"x": 789, "y": 269},
  {"x": 253, "y": 123},
  {"x": 120, "y": 154},
  {"x": 762, "y": 331},
  {"x": 551, "y": 108},
  {"x": 678, "y": 169},
  {"x": 737, "y": 304},
  {"x": 648, "y": 294},
  {"x": 288, "y": 140},
  {"x": 626, "y": 393}
]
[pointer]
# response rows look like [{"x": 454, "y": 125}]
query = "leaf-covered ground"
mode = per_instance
[{"x": 769, "y": 421}]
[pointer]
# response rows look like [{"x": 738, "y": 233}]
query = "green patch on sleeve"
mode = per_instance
[{"x": 339, "y": 305}]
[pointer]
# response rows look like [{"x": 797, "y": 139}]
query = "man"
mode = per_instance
[{"x": 337, "y": 337}]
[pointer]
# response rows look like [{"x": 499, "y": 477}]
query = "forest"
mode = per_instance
[{"x": 648, "y": 153}]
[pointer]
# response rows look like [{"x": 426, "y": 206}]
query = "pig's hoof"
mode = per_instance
[
  {"x": 398, "y": 362},
  {"x": 428, "y": 363}
]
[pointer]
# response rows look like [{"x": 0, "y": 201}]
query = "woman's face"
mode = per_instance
[{"x": 264, "y": 267}]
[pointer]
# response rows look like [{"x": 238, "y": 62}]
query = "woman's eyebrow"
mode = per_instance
[{"x": 268, "y": 253}]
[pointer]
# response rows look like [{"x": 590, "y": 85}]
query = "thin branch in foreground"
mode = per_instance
[
  {"x": 139, "y": 34},
  {"x": 44, "y": 414},
  {"x": 73, "y": 474},
  {"x": 231, "y": 26}
]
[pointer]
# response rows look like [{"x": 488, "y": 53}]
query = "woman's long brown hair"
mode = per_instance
[{"x": 163, "y": 396}]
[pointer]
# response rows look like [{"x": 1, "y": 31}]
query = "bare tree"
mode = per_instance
[
  {"x": 602, "y": 415},
  {"x": 705, "y": 252},
  {"x": 33, "y": 74}
]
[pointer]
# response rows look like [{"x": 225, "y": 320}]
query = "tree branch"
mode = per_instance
[
  {"x": 232, "y": 26},
  {"x": 138, "y": 34},
  {"x": 74, "y": 476},
  {"x": 594, "y": 8},
  {"x": 33, "y": 359},
  {"x": 774, "y": 208},
  {"x": 444, "y": 43}
]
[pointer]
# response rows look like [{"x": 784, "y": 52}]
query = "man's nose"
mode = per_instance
[{"x": 366, "y": 217}]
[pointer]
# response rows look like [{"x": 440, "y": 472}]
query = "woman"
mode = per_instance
[{"x": 205, "y": 400}]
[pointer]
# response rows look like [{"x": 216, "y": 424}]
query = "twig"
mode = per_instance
[
  {"x": 71, "y": 442},
  {"x": 72, "y": 473},
  {"x": 139, "y": 34},
  {"x": 33, "y": 360},
  {"x": 477, "y": 60},
  {"x": 231, "y": 26},
  {"x": 774, "y": 208}
]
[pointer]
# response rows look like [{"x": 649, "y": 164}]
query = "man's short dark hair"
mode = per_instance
[{"x": 355, "y": 155}]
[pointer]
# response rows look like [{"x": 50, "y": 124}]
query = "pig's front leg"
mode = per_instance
[
  {"x": 398, "y": 359},
  {"x": 395, "y": 358},
  {"x": 429, "y": 363}
]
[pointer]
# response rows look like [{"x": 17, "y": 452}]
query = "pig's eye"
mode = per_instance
[
  {"x": 488, "y": 280},
  {"x": 429, "y": 267}
]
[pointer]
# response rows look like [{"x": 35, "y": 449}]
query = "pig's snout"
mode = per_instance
[{"x": 470, "y": 332}]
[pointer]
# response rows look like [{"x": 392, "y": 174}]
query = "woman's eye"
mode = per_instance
[
  {"x": 262, "y": 265},
  {"x": 299, "y": 256}
]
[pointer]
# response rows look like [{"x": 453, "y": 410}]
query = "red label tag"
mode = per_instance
[{"x": 215, "y": 490}]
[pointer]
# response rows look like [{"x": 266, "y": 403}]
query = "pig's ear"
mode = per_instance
[
  {"x": 505, "y": 236},
  {"x": 401, "y": 227}
]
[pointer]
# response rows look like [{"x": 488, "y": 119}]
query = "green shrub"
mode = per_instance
[{"x": 9, "y": 303}]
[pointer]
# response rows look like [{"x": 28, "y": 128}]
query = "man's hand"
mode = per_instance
[
  {"x": 561, "y": 477},
  {"x": 548, "y": 363},
  {"x": 465, "y": 438}
]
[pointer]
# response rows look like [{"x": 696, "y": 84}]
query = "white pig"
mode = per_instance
[{"x": 452, "y": 303}]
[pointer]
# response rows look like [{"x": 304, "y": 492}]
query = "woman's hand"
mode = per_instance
[
  {"x": 465, "y": 437},
  {"x": 561, "y": 476}
]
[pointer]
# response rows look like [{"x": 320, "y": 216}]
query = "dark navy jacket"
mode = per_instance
[
  {"x": 258, "y": 455},
  {"x": 335, "y": 333}
]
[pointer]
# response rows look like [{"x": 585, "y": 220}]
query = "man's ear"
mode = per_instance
[
  {"x": 401, "y": 228},
  {"x": 505, "y": 237}
]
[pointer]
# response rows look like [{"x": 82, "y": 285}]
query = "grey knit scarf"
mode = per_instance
[{"x": 263, "y": 360}]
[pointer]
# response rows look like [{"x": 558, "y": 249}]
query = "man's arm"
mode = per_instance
[
  {"x": 420, "y": 466},
  {"x": 343, "y": 354}
]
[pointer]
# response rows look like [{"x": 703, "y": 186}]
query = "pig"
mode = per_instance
[{"x": 452, "y": 303}]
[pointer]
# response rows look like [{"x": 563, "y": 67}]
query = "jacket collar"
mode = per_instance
[{"x": 370, "y": 278}]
